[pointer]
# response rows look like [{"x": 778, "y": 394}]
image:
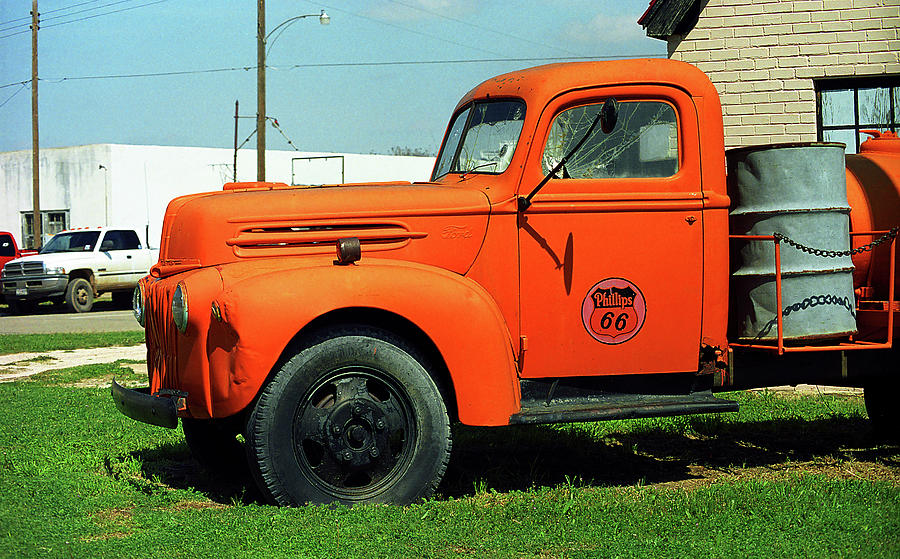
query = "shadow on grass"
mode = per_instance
[
  {"x": 172, "y": 466},
  {"x": 519, "y": 458}
]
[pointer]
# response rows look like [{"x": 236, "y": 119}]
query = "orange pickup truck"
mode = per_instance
[{"x": 579, "y": 254}]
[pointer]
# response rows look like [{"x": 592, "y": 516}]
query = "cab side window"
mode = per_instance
[
  {"x": 644, "y": 142},
  {"x": 120, "y": 240}
]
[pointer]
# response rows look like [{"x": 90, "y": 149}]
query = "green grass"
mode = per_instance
[
  {"x": 19, "y": 343},
  {"x": 785, "y": 477}
]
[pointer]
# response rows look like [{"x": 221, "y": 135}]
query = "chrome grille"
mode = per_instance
[
  {"x": 22, "y": 269},
  {"x": 162, "y": 361}
]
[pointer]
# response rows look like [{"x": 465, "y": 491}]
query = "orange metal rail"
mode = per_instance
[{"x": 843, "y": 346}]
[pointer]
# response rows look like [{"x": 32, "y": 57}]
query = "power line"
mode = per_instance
[
  {"x": 23, "y": 82},
  {"x": 348, "y": 65},
  {"x": 28, "y": 18},
  {"x": 85, "y": 17},
  {"x": 8, "y": 99},
  {"x": 334, "y": 9},
  {"x": 332, "y": 65},
  {"x": 277, "y": 127},
  {"x": 116, "y": 3},
  {"x": 107, "y": 13},
  {"x": 28, "y": 24},
  {"x": 476, "y": 26},
  {"x": 463, "y": 61},
  {"x": 149, "y": 74}
]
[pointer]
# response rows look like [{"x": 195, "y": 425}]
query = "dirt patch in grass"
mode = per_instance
[
  {"x": 115, "y": 524},
  {"x": 21, "y": 365},
  {"x": 195, "y": 505},
  {"x": 105, "y": 381},
  {"x": 701, "y": 476}
]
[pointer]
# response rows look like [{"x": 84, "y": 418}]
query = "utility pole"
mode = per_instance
[
  {"x": 260, "y": 90},
  {"x": 35, "y": 156},
  {"x": 234, "y": 167}
]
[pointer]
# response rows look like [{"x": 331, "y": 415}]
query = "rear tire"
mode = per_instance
[
  {"x": 79, "y": 295},
  {"x": 354, "y": 417},
  {"x": 881, "y": 405}
]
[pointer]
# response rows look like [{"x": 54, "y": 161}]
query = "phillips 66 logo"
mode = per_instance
[{"x": 613, "y": 311}]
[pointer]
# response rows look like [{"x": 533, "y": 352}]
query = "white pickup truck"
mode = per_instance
[{"x": 76, "y": 266}]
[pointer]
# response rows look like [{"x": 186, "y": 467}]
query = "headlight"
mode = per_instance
[
  {"x": 137, "y": 304},
  {"x": 55, "y": 271},
  {"x": 180, "y": 307}
]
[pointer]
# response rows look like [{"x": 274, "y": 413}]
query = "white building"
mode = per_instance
[{"x": 130, "y": 186}]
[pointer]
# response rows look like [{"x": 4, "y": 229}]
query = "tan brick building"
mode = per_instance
[{"x": 791, "y": 70}]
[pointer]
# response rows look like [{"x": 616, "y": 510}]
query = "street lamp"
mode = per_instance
[{"x": 261, "y": 39}]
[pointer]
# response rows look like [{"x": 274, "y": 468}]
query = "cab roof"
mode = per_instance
[{"x": 538, "y": 85}]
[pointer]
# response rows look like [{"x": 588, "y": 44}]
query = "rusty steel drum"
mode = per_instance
[{"x": 799, "y": 191}]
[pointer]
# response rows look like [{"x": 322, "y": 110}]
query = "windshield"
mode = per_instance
[
  {"x": 482, "y": 139},
  {"x": 77, "y": 241}
]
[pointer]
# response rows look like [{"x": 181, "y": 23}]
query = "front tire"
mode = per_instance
[
  {"x": 354, "y": 417},
  {"x": 79, "y": 295},
  {"x": 122, "y": 299}
]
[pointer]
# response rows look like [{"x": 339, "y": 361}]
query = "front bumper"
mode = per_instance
[
  {"x": 29, "y": 288},
  {"x": 156, "y": 409}
]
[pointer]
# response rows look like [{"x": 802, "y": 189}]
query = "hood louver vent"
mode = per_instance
[{"x": 263, "y": 240}]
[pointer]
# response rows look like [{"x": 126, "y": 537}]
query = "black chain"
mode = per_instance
[
  {"x": 809, "y": 302},
  {"x": 837, "y": 253}
]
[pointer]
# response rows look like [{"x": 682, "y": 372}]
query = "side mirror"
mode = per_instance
[{"x": 609, "y": 114}]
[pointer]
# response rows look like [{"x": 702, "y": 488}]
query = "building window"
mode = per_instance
[
  {"x": 845, "y": 107},
  {"x": 52, "y": 222}
]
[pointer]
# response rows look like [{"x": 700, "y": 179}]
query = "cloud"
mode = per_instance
[
  {"x": 604, "y": 28},
  {"x": 417, "y": 10}
]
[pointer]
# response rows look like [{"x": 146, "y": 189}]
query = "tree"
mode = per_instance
[{"x": 406, "y": 150}]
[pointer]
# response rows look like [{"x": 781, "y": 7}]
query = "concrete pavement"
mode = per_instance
[{"x": 51, "y": 323}]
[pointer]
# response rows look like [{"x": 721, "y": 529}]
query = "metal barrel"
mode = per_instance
[{"x": 798, "y": 190}]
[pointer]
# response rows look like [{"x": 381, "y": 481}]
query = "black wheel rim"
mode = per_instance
[{"x": 354, "y": 432}]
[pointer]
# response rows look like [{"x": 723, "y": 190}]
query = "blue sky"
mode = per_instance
[{"x": 332, "y": 88}]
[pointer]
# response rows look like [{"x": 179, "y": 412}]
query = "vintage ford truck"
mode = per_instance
[
  {"x": 77, "y": 265},
  {"x": 578, "y": 254}
]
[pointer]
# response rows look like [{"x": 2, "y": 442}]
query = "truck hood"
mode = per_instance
[{"x": 428, "y": 223}]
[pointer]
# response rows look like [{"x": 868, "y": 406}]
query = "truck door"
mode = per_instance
[
  {"x": 611, "y": 255},
  {"x": 119, "y": 250}
]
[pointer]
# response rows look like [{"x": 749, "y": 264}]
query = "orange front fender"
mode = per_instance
[{"x": 265, "y": 306}]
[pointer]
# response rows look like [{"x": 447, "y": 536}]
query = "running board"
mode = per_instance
[{"x": 601, "y": 405}]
